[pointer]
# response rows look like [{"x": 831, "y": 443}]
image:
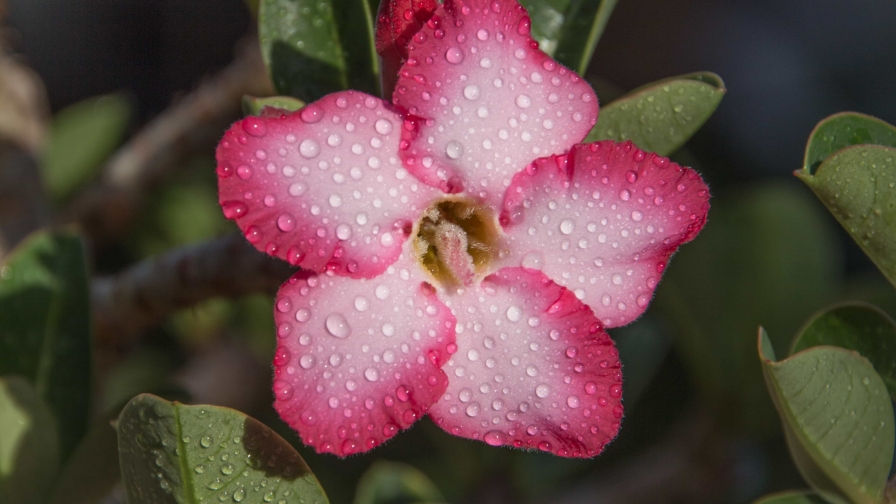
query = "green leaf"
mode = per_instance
[
  {"x": 660, "y": 117},
  {"x": 254, "y": 106},
  {"x": 82, "y": 136},
  {"x": 855, "y": 326},
  {"x": 171, "y": 453},
  {"x": 392, "y": 483},
  {"x": 844, "y": 130},
  {"x": 838, "y": 418},
  {"x": 316, "y": 47},
  {"x": 792, "y": 497},
  {"x": 748, "y": 266},
  {"x": 569, "y": 30},
  {"x": 29, "y": 443},
  {"x": 92, "y": 471},
  {"x": 858, "y": 185},
  {"x": 45, "y": 326}
]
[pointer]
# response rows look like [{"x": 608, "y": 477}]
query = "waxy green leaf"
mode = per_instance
[
  {"x": 660, "y": 117},
  {"x": 792, "y": 497},
  {"x": 253, "y": 105},
  {"x": 29, "y": 443},
  {"x": 315, "y": 47},
  {"x": 838, "y": 419},
  {"x": 82, "y": 136},
  {"x": 45, "y": 326},
  {"x": 569, "y": 30},
  {"x": 855, "y": 326},
  {"x": 173, "y": 453},
  {"x": 844, "y": 130},
  {"x": 858, "y": 185}
]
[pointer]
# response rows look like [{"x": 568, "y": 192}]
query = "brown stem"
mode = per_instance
[
  {"x": 141, "y": 296},
  {"x": 192, "y": 125}
]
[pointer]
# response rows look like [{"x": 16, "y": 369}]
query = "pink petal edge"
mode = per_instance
[
  {"x": 322, "y": 188},
  {"x": 358, "y": 360},
  {"x": 484, "y": 100},
  {"x": 534, "y": 369},
  {"x": 603, "y": 222}
]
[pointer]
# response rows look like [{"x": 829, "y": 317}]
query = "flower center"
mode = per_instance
[{"x": 456, "y": 240}]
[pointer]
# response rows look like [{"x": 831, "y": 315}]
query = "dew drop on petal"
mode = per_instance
[
  {"x": 567, "y": 226},
  {"x": 307, "y": 361},
  {"x": 309, "y": 148},
  {"x": 532, "y": 260},
  {"x": 454, "y": 55},
  {"x": 383, "y": 126},
  {"x": 454, "y": 149},
  {"x": 494, "y": 438},
  {"x": 371, "y": 375},
  {"x": 311, "y": 114},
  {"x": 343, "y": 232},
  {"x": 337, "y": 325},
  {"x": 286, "y": 222},
  {"x": 542, "y": 391}
]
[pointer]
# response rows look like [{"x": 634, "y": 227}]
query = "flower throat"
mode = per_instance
[{"x": 456, "y": 241}]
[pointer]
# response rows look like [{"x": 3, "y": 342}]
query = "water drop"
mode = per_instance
[
  {"x": 471, "y": 92},
  {"x": 542, "y": 391},
  {"x": 532, "y": 260},
  {"x": 286, "y": 222},
  {"x": 309, "y": 148},
  {"x": 371, "y": 374},
  {"x": 343, "y": 231},
  {"x": 454, "y": 149},
  {"x": 244, "y": 172},
  {"x": 523, "y": 101},
  {"x": 567, "y": 226},
  {"x": 494, "y": 438},
  {"x": 383, "y": 126},
  {"x": 514, "y": 313},
  {"x": 337, "y": 325},
  {"x": 454, "y": 55},
  {"x": 307, "y": 361}
]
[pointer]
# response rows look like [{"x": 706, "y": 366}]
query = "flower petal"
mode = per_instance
[
  {"x": 603, "y": 222},
  {"x": 322, "y": 187},
  {"x": 396, "y": 22},
  {"x": 485, "y": 100},
  {"x": 357, "y": 360},
  {"x": 534, "y": 368}
]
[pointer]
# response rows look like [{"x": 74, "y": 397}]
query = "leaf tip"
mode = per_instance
[{"x": 765, "y": 348}]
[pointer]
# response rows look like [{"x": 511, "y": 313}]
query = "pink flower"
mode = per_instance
[{"x": 461, "y": 253}]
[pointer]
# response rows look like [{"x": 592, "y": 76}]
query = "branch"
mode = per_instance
[
  {"x": 143, "y": 295},
  {"x": 194, "y": 124}
]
